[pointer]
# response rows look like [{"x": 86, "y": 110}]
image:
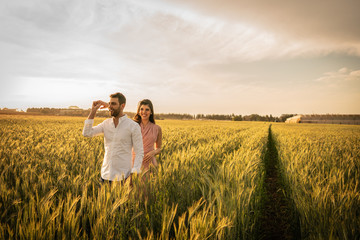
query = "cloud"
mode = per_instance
[
  {"x": 342, "y": 75},
  {"x": 334, "y": 19},
  {"x": 179, "y": 37},
  {"x": 133, "y": 39},
  {"x": 52, "y": 40},
  {"x": 170, "y": 49}
]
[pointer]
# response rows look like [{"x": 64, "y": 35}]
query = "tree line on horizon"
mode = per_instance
[{"x": 161, "y": 116}]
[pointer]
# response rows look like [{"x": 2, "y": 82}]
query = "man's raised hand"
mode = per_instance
[
  {"x": 104, "y": 105},
  {"x": 99, "y": 104}
]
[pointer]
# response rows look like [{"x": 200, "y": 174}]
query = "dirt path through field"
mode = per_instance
[{"x": 278, "y": 220}]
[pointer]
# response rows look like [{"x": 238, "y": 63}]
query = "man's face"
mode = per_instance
[{"x": 115, "y": 107}]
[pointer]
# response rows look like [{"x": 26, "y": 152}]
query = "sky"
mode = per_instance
[{"x": 199, "y": 56}]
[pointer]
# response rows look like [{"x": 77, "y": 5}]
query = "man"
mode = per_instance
[{"x": 121, "y": 134}]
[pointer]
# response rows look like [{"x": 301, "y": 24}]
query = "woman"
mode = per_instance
[{"x": 151, "y": 133}]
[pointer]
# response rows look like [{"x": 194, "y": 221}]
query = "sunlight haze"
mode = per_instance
[{"x": 186, "y": 56}]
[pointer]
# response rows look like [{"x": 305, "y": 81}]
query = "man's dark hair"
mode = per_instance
[{"x": 120, "y": 96}]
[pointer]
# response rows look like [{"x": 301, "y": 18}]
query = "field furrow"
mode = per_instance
[{"x": 321, "y": 167}]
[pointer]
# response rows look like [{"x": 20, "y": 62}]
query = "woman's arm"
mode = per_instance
[
  {"x": 158, "y": 142},
  {"x": 150, "y": 155}
]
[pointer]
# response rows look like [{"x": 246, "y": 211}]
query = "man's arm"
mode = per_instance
[
  {"x": 95, "y": 106},
  {"x": 138, "y": 148},
  {"x": 89, "y": 130}
]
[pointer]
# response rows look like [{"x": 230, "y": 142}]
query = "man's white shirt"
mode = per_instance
[{"x": 118, "y": 142}]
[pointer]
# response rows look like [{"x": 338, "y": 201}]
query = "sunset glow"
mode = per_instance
[{"x": 186, "y": 56}]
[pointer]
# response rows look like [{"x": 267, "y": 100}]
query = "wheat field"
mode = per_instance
[
  {"x": 209, "y": 183},
  {"x": 321, "y": 167}
]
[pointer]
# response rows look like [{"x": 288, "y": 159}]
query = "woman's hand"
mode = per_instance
[{"x": 148, "y": 157}]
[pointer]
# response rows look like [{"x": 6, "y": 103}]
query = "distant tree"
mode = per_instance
[
  {"x": 237, "y": 118},
  {"x": 200, "y": 116},
  {"x": 174, "y": 116},
  {"x": 271, "y": 118},
  {"x": 75, "y": 111}
]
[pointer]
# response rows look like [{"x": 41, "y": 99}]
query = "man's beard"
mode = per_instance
[{"x": 115, "y": 112}]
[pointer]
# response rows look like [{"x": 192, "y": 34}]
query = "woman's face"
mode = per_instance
[{"x": 145, "y": 112}]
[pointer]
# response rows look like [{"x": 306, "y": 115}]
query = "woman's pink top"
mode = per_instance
[{"x": 150, "y": 133}]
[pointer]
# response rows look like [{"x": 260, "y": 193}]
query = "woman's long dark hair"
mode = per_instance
[{"x": 147, "y": 102}]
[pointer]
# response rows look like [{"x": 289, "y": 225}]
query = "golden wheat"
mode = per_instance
[
  {"x": 321, "y": 165},
  {"x": 208, "y": 184}
]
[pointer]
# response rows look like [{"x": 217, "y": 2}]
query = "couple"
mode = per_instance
[{"x": 129, "y": 144}]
